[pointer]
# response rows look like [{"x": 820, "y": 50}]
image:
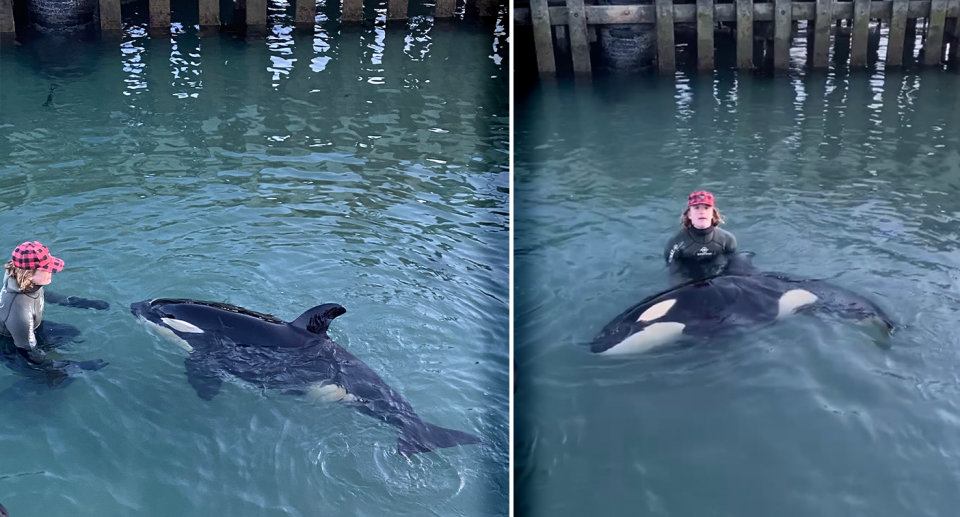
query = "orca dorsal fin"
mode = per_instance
[
  {"x": 741, "y": 263},
  {"x": 317, "y": 320}
]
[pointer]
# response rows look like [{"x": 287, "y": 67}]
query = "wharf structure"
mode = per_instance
[
  {"x": 631, "y": 32},
  {"x": 65, "y": 14}
]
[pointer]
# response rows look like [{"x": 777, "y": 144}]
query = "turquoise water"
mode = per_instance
[
  {"x": 366, "y": 167},
  {"x": 851, "y": 177}
]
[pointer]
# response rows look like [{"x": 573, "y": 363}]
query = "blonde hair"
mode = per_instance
[
  {"x": 24, "y": 277},
  {"x": 685, "y": 221}
]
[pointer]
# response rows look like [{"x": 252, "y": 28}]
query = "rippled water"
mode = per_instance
[
  {"x": 850, "y": 177},
  {"x": 367, "y": 167}
]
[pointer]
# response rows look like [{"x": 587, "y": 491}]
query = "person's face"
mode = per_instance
[
  {"x": 701, "y": 216},
  {"x": 41, "y": 277}
]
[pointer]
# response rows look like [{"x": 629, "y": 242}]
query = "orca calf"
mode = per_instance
[
  {"x": 737, "y": 300},
  {"x": 296, "y": 357}
]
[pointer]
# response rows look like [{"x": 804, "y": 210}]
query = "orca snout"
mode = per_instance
[{"x": 140, "y": 309}]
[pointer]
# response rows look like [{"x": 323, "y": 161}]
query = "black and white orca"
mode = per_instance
[
  {"x": 296, "y": 357},
  {"x": 740, "y": 299}
]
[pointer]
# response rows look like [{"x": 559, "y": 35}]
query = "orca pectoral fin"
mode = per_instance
[
  {"x": 52, "y": 335},
  {"x": 205, "y": 383}
]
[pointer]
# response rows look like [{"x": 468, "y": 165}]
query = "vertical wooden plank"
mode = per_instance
[
  {"x": 898, "y": 26},
  {"x": 542, "y": 36},
  {"x": 821, "y": 33},
  {"x": 933, "y": 46},
  {"x": 109, "y": 14},
  {"x": 209, "y": 12},
  {"x": 860, "y": 33},
  {"x": 444, "y": 8},
  {"x": 705, "y": 27},
  {"x": 352, "y": 11},
  {"x": 397, "y": 9},
  {"x": 160, "y": 13},
  {"x": 256, "y": 12},
  {"x": 744, "y": 34},
  {"x": 955, "y": 48},
  {"x": 666, "y": 57},
  {"x": 579, "y": 45},
  {"x": 7, "y": 25},
  {"x": 306, "y": 12},
  {"x": 782, "y": 30}
]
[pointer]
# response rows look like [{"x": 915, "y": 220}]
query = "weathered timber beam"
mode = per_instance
[{"x": 687, "y": 13}]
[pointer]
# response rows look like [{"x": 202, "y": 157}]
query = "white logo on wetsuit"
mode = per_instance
[{"x": 704, "y": 252}]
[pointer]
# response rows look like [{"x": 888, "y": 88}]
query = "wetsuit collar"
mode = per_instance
[{"x": 701, "y": 233}]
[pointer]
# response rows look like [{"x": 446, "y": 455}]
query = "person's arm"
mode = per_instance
[
  {"x": 74, "y": 301},
  {"x": 731, "y": 247},
  {"x": 671, "y": 249}
]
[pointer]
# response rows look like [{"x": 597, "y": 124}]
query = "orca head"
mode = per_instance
[{"x": 161, "y": 316}]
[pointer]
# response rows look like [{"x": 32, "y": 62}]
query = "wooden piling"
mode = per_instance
[
  {"x": 7, "y": 25},
  {"x": 209, "y": 12},
  {"x": 397, "y": 9},
  {"x": 256, "y": 13},
  {"x": 744, "y": 34},
  {"x": 160, "y": 14},
  {"x": 897, "y": 32},
  {"x": 860, "y": 33},
  {"x": 306, "y": 12},
  {"x": 782, "y": 31},
  {"x": 109, "y": 15},
  {"x": 933, "y": 46},
  {"x": 821, "y": 33},
  {"x": 955, "y": 49},
  {"x": 666, "y": 48},
  {"x": 579, "y": 44},
  {"x": 705, "y": 25},
  {"x": 352, "y": 11},
  {"x": 542, "y": 37}
]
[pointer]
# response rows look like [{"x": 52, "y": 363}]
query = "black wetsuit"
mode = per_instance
[{"x": 694, "y": 253}]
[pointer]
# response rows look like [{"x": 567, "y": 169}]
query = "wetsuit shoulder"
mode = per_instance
[{"x": 725, "y": 239}]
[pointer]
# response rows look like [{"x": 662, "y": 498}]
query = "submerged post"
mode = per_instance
[
  {"x": 933, "y": 46},
  {"x": 898, "y": 27},
  {"x": 821, "y": 33},
  {"x": 861, "y": 31},
  {"x": 306, "y": 12},
  {"x": 579, "y": 42},
  {"x": 444, "y": 8},
  {"x": 782, "y": 30},
  {"x": 159, "y": 14},
  {"x": 542, "y": 37},
  {"x": 110, "y": 15},
  {"x": 256, "y": 13},
  {"x": 209, "y": 13},
  {"x": 705, "y": 35},
  {"x": 352, "y": 11},
  {"x": 665, "y": 42},
  {"x": 744, "y": 34},
  {"x": 7, "y": 25},
  {"x": 397, "y": 9}
]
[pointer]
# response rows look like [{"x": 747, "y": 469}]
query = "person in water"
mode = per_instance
[
  {"x": 22, "y": 296},
  {"x": 700, "y": 248}
]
